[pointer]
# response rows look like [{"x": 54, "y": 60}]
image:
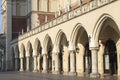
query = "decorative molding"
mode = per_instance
[{"x": 92, "y": 5}]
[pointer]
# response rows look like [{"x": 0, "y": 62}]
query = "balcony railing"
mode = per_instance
[{"x": 92, "y": 5}]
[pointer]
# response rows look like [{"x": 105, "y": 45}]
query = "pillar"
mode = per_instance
[
  {"x": 27, "y": 63},
  {"x": 118, "y": 58},
  {"x": 57, "y": 69},
  {"x": 72, "y": 58},
  {"x": 21, "y": 64},
  {"x": 94, "y": 62},
  {"x": 53, "y": 62},
  {"x": 100, "y": 60},
  {"x": 35, "y": 64},
  {"x": 80, "y": 60},
  {"x": 72, "y": 62},
  {"x": 44, "y": 63},
  {"x": 38, "y": 64},
  {"x": 9, "y": 62}
]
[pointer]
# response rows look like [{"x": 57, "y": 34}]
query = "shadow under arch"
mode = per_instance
[
  {"x": 62, "y": 48},
  {"x": 107, "y": 33},
  {"x": 48, "y": 47},
  {"x": 29, "y": 48},
  {"x": 99, "y": 24}
]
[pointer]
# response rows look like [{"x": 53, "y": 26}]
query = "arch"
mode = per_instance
[
  {"x": 99, "y": 23},
  {"x": 22, "y": 48},
  {"x": 58, "y": 37},
  {"x": 107, "y": 31},
  {"x": 37, "y": 46},
  {"x": 75, "y": 32},
  {"x": 48, "y": 47},
  {"x": 30, "y": 53},
  {"x": 28, "y": 46},
  {"x": 62, "y": 48},
  {"x": 46, "y": 40},
  {"x": 36, "y": 43},
  {"x": 80, "y": 40}
]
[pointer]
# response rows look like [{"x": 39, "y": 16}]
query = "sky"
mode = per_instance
[{"x": 0, "y": 16}]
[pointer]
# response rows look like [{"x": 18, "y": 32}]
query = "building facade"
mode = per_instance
[{"x": 71, "y": 37}]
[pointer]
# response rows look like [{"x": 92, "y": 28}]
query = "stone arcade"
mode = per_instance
[{"x": 82, "y": 39}]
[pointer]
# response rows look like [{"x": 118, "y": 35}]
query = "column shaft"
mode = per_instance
[
  {"x": 38, "y": 63},
  {"x": 44, "y": 63},
  {"x": 27, "y": 63},
  {"x": 57, "y": 63},
  {"x": 94, "y": 63},
  {"x": 72, "y": 63},
  {"x": 35, "y": 64},
  {"x": 21, "y": 64}
]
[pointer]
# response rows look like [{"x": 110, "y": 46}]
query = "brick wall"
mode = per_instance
[
  {"x": 41, "y": 17},
  {"x": 18, "y": 23}
]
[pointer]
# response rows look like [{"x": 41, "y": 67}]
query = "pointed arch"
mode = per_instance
[
  {"x": 58, "y": 36},
  {"x": 22, "y": 48},
  {"x": 100, "y": 22},
  {"x": 46, "y": 40},
  {"x": 75, "y": 32},
  {"x": 28, "y": 46},
  {"x": 36, "y": 43}
]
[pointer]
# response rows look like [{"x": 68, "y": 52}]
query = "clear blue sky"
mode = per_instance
[{"x": 0, "y": 16}]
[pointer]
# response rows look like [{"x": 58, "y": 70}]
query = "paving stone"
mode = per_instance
[{"x": 47, "y": 76}]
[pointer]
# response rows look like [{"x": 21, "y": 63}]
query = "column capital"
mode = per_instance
[
  {"x": 93, "y": 44},
  {"x": 71, "y": 46},
  {"x": 34, "y": 52},
  {"x": 27, "y": 54},
  {"x": 21, "y": 55},
  {"x": 55, "y": 49},
  {"x": 45, "y": 54},
  {"x": 94, "y": 48},
  {"x": 71, "y": 51}
]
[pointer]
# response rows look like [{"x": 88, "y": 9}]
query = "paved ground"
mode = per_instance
[{"x": 40, "y": 76}]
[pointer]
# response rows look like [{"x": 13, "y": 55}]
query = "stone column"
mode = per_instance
[
  {"x": 100, "y": 60},
  {"x": 94, "y": 62},
  {"x": 72, "y": 62},
  {"x": 118, "y": 58},
  {"x": 80, "y": 60},
  {"x": 38, "y": 64},
  {"x": 27, "y": 63},
  {"x": 72, "y": 58},
  {"x": 21, "y": 64},
  {"x": 35, "y": 64},
  {"x": 44, "y": 63},
  {"x": 57, "y": 69}
]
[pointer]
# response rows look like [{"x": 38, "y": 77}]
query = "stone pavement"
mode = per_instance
[{"x": 41, "y": 76}]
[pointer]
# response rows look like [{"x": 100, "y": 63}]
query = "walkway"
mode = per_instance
[{"x": 40, "y": 76}]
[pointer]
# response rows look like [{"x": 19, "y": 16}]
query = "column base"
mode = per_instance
[
  {"x": 72, "y": 73},
  {"x": 44, "y": 71},
  {"x": 65, "y": 73},
  {"x": 102, "y": 76},
  {"x": 94, "y": 75},
  {"x": 27, "y": 70},
  {"x": 21, "y": 70},
  {"x": 81, "y": 74},
  {"x": 56, "y": 72},
  {"x": 35, "y": 70}
]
